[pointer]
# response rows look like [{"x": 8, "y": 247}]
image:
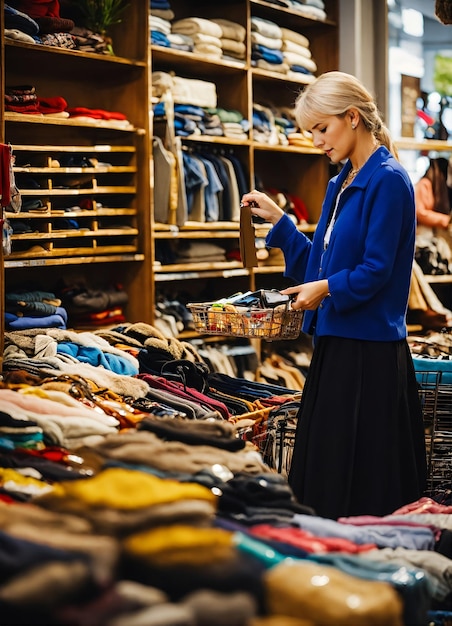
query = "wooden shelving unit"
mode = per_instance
[
  {"x": 117, "y": 234},
  {"x": 302, "y": 171},
  {"x": 98, "y": 211}
]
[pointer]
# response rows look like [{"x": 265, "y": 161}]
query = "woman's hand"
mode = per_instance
[
  {"x": 308, "y": 295},
  {"x": 263, "y": 206}
]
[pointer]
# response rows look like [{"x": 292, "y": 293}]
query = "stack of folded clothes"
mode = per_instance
[
  {"x": 26, "y": 309},
  {"x": 312, "y": 9},
  {"x": 94, "y": 307},
  {"x": 24, "y": 99},
  {"x": 232, "y": 39},
  {"x": 266, "y": 45},
  {"x": 41, "y": 21},
  {"x": 297, "y": 55},
  {"x": 206, "y": 35}
]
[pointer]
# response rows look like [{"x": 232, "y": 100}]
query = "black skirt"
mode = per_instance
[{"x": 360, "y": 441}]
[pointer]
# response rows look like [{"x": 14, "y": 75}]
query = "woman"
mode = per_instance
[
  {"x": 433, "y": 246},
  {"x": 433, "y": 214},
  {"x": 360, "y": 446},
  {"x": 433, "y": 197}
]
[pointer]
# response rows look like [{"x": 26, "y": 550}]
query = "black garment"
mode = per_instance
[{"x": 358, "y": 451}]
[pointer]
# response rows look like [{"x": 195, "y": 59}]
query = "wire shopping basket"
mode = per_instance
[{"x": 280, "y": 322}]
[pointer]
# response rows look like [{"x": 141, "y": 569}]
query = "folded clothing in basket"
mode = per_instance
[
  {"x": 262, "y": 298},
  {"x": 264, "y": 313}
]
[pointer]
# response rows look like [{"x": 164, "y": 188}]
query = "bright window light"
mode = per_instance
[{"x": 413, "y": 22}]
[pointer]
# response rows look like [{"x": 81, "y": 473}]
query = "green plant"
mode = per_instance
[
  {"x": 100, "y": 15},
  {"x": 442, "y": 77}
]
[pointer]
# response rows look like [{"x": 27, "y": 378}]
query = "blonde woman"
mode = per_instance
[{"x": 360, "y": 446}]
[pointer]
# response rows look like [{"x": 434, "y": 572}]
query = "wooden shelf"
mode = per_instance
[
  {"x": 406, "y": 143},
  {"x": 89, "y": 57},
  {"x": 113, "y": 191},
  {"x": 84, "y": 260},
  {"x": 121, "y": 239},
  {"x": 23, "y": 118},
  {"x": 104, "y": 212}
]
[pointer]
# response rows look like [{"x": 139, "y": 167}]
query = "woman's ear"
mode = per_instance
[{"x": 353, "y": 116}]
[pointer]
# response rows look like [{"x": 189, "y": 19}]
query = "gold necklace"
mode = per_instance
[
  {"x": 350, "y": 176},
  {"x": 353, "y": 173}
]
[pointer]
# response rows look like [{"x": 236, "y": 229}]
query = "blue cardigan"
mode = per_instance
[{"x": 369, "y": 258}]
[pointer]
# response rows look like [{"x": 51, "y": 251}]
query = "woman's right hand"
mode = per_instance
[{"x": 263, "y": 206}]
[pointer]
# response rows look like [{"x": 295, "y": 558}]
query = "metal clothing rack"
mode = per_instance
[
  {"x": 436, "y": 400},
  {"x": 276, "y": 438}
]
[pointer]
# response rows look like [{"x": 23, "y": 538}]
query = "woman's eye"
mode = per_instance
[{"x": 323, "y": 130}]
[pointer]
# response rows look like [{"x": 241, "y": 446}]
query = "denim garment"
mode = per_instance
[
  {"x": 268, "y": 54},
  {"x": 300, "y": 69},
  {"x": 225, "y": 211},
  {"x": 190, "y": 109},
  {"x": 160, "y": 39},
  {"x": 211, "y": 192},
  {"x": 195, "y": 179},
  {"x": 183, "y": 125}
]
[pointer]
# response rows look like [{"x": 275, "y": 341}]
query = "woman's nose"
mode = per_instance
[{"x": 317, "y": 140}]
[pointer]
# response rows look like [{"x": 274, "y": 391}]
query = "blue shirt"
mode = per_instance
[{"x": 369, "y": 258}]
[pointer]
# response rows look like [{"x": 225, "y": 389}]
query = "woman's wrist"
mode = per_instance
[{"x": 278, "y": 215}]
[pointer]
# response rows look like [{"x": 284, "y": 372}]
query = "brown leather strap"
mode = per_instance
[{"x": 247, "y": 238}]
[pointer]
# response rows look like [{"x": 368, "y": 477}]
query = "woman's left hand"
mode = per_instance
[{"x": 309, "y": 295}]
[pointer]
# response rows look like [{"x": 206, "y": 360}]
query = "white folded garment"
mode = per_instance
[
  {"x": 194, "y": 91},
  {"x": 310, "y": 11},
  {"x": 266, "y": 27},
  {"x": 192, "y": 25},
  {"x": 231, "y": 30},
  {"x": 301, "y": 77},
  {"x": 291, "y": 35},
  {"x": 179, "y": 39},
  {"x": 298, "y": 59},
  {"x": 18, "y": 35},
  {"x": 234, "y": 48},
  {"x": 209, "y": 50},
  {"x": 161, "y": 83},
  {"x": 162, "y": 26},
  {"x": 269, "y": 42},
  {"x": 281, "y": 68},
  {"x": 291, "y": 46},
  {"x": 208, "y": 39}
]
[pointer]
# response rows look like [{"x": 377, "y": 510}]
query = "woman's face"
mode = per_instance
[{"x": 334, "y": 135}]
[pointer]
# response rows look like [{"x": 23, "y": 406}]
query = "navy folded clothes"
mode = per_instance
[
  {"x": 33, "y": 205},
  {"x": 21, "y": 21},
  {"x": 20, "y": 227},
  {"x": 39, "y": 309},
  {"x": 32, "y": 296}
]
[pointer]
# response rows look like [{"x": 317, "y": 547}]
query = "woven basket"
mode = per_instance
[{"x": 278, "y": 323}]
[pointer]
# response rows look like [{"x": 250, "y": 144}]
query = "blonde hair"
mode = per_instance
[{"x": 334, "y": 93}]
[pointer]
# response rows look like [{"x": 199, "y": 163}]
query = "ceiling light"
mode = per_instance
[{"x": 413, "y": 22}]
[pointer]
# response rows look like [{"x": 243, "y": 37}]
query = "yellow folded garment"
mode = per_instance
[
  {"x": 181, "y": 545},
  {"x": 129, "y": 489}
]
